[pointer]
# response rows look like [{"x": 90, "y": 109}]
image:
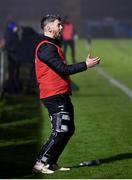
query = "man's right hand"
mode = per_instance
[{"x": 91, "y": 62}]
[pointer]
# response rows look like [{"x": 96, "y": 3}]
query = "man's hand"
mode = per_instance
[{"x": 91, "y": 62}]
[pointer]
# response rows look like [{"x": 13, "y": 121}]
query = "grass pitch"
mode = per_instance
[{"x": 102, "y": 117}]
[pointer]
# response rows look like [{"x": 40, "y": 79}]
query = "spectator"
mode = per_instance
[
  {"x": 68, "y": 38},
  {"x": 19, "y": 44}
]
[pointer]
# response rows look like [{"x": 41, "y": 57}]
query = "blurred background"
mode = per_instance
[
  {"x": 91, "y": 19},
  {"x": 103, "y": 110},
  {"x": 103, "y": 18}
]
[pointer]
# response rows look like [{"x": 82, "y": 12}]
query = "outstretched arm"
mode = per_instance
[
  {"x": 49, "y": 55},
  {"x": 91, "y": 62}
]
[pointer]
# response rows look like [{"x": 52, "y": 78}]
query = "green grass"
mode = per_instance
[
  {"x": 102, "y": 117},
  {"x": 20, "y": 122},
  {"x": 116, "y": 56}
]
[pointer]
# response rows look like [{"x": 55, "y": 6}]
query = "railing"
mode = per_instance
[{"x": 2, "y": 71}]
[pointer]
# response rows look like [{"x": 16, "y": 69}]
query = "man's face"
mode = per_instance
[{"x": 56, "y": 28}]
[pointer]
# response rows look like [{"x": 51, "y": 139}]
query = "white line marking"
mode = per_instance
[{"x": 115, "y": 82}]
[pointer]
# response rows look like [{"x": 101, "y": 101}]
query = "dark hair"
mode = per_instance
[{"x": 49, "y": 18}]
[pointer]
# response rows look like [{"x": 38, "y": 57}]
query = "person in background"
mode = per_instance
[
  {"x": 2, "y": 43},
  {"x": 11, "y": 44},
  {"x": 52, "y": 74},
  {"x": 68, "y": 38},
  {"x": 20, "y": 47}
]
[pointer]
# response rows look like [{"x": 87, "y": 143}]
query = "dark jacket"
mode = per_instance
[
  {"x": 49, "y": 55},
  {"x": 21, "y": 49}
]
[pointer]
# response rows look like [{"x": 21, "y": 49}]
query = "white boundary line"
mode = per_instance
[{"x": 115, "y": 82}]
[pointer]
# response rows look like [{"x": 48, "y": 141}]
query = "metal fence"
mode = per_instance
[{"x": 3, "y": 71}]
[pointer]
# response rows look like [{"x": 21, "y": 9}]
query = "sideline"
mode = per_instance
[{"x": 115, "y": 82}]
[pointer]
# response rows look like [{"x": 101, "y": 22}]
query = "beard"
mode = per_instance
[{"x": 58, "y": 35}]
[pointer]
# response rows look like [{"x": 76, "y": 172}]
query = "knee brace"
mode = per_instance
[{"x": 60, "y": 121}]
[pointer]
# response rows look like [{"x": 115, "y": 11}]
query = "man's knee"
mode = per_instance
[
  {"x": 63, "y": 137},
  {"x": 62, "y": 122}
]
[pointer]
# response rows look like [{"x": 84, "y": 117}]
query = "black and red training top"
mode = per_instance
[{"x": 52, "y": 72}]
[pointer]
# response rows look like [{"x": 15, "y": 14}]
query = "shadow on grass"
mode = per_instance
[
  {"x": 17, "y": 161},
  {"x": 97, "y": 162},
  {"x": 19, "y": 108},
  {"x": 20, "y": 132}
]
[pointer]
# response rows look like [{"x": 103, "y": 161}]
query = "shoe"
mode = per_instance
[
  {"x": 55, "y": 167},
  {"x": 40, "y": 167}
]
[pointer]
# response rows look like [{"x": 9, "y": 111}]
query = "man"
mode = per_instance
[
  {"x": 20, "y": 46},
  {"x": 68, "y": 38},
  {"x": 53, "y": 78}
]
